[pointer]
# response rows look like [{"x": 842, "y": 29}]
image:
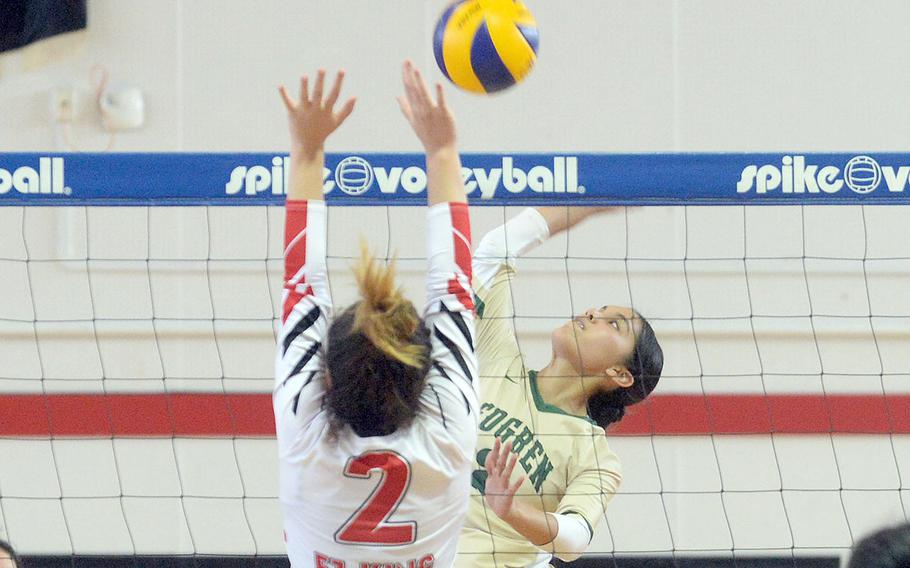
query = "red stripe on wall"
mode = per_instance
[
  {"x": 250, "y": 415},
  {"x": 145, "y": 415},
  {"x": 757, "y": 414}
]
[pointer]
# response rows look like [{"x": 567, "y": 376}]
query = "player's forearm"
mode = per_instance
[
  {"x": 561, "y": 218},
  {"x": 305, "y": 180},
  {"x": 539, "y": 527},
  {"x": 305, "y": 258},
  {"x": 444, "y": 183},
  {"x": 506, "y": 243}
]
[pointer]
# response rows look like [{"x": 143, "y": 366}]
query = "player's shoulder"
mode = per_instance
[
  {"x": 594, "y": 449},
  {"x": 492, "y": 277},
  {"x": 582, "y": 429},
  {"x": 447, "y": 445},
  {"x": 503, "y": 379},
  {"x": 508, "y": 365}
]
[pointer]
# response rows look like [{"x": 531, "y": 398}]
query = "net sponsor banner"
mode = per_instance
[{"x": 490, "y": 179}]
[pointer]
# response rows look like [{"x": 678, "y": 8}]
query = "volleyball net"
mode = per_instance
[{"x": 140, "y": 298}]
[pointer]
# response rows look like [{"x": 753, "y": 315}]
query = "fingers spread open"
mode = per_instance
[
  {"x": 317, "y": 90},
  {"x": 305, "y": 89},
  {"x": 504, "y": 456},
  {"x": 288, "y": 103},
  {"x": 440, "y": 96},
  {"x": 346, "y": 110},
  {"x": 515, "y": 486},
  {"x": 410, "y": 86},
  {"x": 422, "y": 91},
  {"x": 336, "y": 90},
  {"x": 513, "y": 459},
  {"x": 406, "y": 73},
  {"x": 493, "y": 456},
  {"x": 405, "y": 108}
]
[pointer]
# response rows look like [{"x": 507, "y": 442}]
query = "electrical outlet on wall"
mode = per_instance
[
  {"x": 123, "y": 108},
  {"x": 67, "y": 103}
]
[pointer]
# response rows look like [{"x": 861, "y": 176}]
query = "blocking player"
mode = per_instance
[
  {"x": 544, "y": 471},
  {"x": 376, "y": 409}
]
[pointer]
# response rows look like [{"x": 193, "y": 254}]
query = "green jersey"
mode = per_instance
[{"x": 569, "y": 466}]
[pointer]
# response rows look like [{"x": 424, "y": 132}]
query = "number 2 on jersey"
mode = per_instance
[{"x": 369, "y": 525}]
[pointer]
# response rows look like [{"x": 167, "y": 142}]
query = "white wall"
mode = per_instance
[
  {"x": 699, "y": 75},
  {"x": 613, "y": 76}
]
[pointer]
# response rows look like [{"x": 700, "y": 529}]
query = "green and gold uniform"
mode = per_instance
[{"x": 569, "y": 465}]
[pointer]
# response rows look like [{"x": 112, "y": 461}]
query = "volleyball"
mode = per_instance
[{"x": 485, "y": 46}]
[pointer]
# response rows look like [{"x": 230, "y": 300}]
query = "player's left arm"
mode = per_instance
[
  {"x": 568, "y": 531},
  {"x": 594, "y": 478},
  {"x": 450, "y": 395},
  {"x": 537, "y": 526},
  {"x": 306, "y": 300}
]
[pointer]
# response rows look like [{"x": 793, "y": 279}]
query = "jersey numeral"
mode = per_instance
[{"x": 369, "y": 524}]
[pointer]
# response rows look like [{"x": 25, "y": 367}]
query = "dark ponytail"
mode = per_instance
[
  {"x": 377, "y": 357},
  {"x": 606, "y": 408},
  {"x": 645, "y": 364}
]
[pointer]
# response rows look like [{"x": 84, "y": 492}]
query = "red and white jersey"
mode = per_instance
[{"x": 384, "y": 501}]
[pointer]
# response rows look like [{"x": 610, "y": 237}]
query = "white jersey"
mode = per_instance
[{"x": 384, "y": 501}]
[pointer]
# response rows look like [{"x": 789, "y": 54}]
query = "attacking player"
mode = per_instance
[
  {"x": 544, "y": 471},
  {"x": 376, "y": 409}
]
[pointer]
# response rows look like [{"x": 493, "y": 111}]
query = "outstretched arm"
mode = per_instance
[
  {"x": 523, "y": 233},
  {"x": 434, "y": 125},
  {"x": 450, "y": 398},
  {"x": 306, "y": 302},
  {"x": 312, "y": 119},
  {"x": 560, "y": 219}
]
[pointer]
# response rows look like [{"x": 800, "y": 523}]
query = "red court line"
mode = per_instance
[{"x": 250, "y": 415}]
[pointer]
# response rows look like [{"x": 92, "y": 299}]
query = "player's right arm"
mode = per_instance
[
  {"x": 502, "y": 246},
  {"x": 306, "y": 302},
  {"x": 451, "y": 394},
  {"x": 494, "y": 266}
]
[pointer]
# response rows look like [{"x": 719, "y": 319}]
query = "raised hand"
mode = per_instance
[
  {"x": 431, "y": 120},
  {"x": 498, "y": 493},
  {"x": 313, "y": 118}
]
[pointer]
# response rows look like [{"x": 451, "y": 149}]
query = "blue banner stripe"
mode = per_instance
[{"x": 490, "y": 179}]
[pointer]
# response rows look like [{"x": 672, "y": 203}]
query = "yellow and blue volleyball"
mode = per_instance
[{"x": 484, "y": 46}]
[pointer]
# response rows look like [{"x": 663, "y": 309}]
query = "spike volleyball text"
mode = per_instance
[
  {"x": 48, "y": 179},
  {"x": 861, "y": 174},
  {"x": 355, "y": 176}
]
